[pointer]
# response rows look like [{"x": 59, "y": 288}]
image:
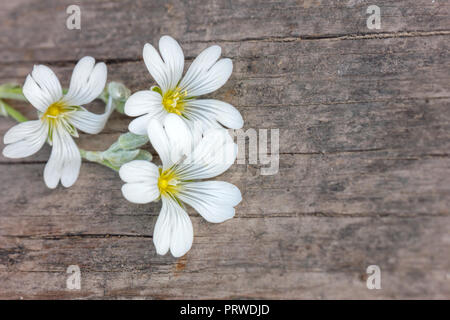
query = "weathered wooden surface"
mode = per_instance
[{"x": 364, "y": 120}]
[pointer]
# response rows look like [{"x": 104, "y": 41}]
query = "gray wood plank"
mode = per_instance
[
  {"x": 301, "y": 257},
  {"x": 36, "y": 31}
]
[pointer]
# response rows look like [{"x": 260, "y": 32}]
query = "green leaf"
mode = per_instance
[{"x": 130, "y": 140}]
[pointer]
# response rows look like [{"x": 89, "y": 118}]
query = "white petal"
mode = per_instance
[
  {"x": 173, "y": 230},
  {"x": 90, "y": 122},
  {"x": 182, "y": 232},
  {"x": 166, "y": 72},
  {"x": 205, "y": 75},
  {"x": 163, "y": 229},
  {"x": 173, "y": 57},
  {"x": 38, "y": 99},
  {"x": 214, "y": 154},
  {"x": 140, "y": 192},
  {"x": 160, "y": 142},
  {"x": 23, "y": 130},
  {"x": 87, "y": 82},
  {"x": 155, "y": 66},
  {"x": 142, "y": 177},
  {"x": 179, "y": 137},
  {"x": 72, "y": 163},
  {"x": 25, "y": 139},
  {"x": 139, "y": 171},
  {"x": 200, "y": 65},
  {"x": 197, "y": 127},
  {"x": 214, "y": 110},
  {"x": 214, "y": 200},
  {"x": 143, "y": 102},
  {"x": 65, "y": 160},
  {"x": 141, "y": 124},
  {"x": 47, "y": 80},
  {"x": 42, "y": 87}
]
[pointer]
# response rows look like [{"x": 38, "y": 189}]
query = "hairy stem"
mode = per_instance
[{"x": 95, "y": 156}]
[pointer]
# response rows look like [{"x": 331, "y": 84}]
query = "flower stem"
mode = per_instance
[
  {"x": 95, "y": 156},
  {"x": 13, "y": 113},
  {"x": 12, "y": 91}
]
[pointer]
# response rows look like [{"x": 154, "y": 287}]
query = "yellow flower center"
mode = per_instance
[
  {"x": 56, "y": 115},
  {"x": 167, "y": 182},
  {"x": 174, "y": 100},
  {"x": 54, "y": 110}
]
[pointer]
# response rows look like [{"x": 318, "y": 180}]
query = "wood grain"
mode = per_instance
[{"x": 364, "y": 172}]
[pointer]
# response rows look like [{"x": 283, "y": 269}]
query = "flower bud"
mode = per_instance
[{"x": 118, "y": 91}]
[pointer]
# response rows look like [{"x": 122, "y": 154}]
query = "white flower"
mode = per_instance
[
  {"x": 59, "y": 118},
  {"x": 178, "y": 96},
  {"x": 176, "y": 182}
]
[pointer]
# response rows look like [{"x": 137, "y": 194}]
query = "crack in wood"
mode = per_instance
[{"x": 351, "y": 36}]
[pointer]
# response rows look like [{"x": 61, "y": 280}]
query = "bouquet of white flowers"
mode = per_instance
[{"x": 189, "y": 134}]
